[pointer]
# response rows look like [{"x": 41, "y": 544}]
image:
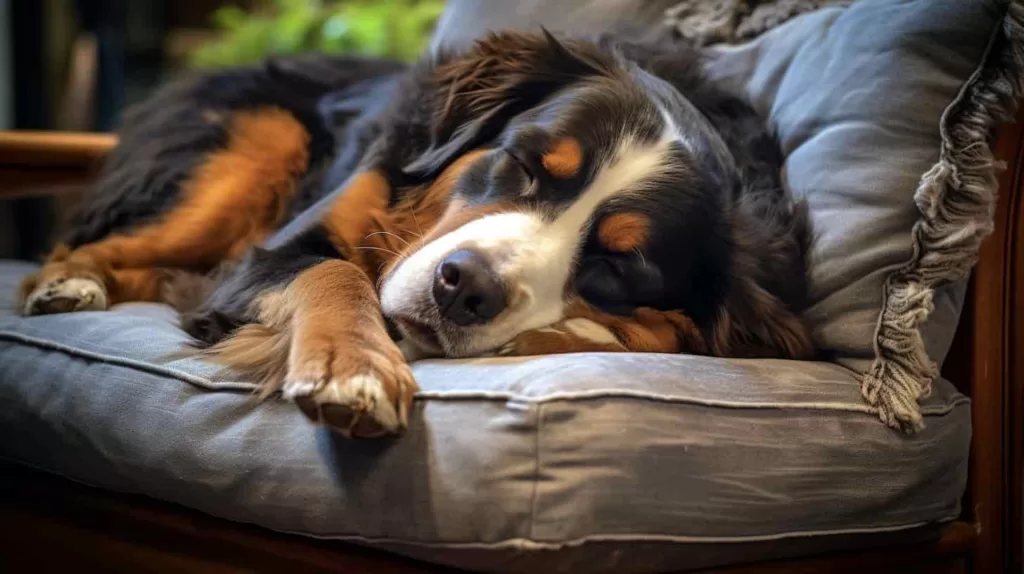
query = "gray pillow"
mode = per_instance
[{"x": 884, "y": 109}]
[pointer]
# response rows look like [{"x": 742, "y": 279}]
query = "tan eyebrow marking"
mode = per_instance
[
  {"x": 564, "y": 158},
  {"x": 622, "y": 232}
]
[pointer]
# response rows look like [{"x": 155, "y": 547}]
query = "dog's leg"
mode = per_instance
[
  {"x": 586, "y": 329},
  {"x": 233, "y": 200},
  {"x": 65, "y": 288},
  {"x": 323, "y": 342},
  {"x": 344, "y": 369},
  {"x": 311, "y": 325}
]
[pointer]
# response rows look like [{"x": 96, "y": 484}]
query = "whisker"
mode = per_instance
[
  {"x": 417, "y": 222},
  {"x": 387, "y": 233},
  {"x": 379, "y": 249},
  {"x": 640, "y": 254}
]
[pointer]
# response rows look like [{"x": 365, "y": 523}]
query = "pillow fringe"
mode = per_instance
[
  {"x": 956, "y": 199},
  {"x": 730, "y": 21}
]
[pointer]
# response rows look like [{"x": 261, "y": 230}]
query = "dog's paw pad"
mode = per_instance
[
  {"x": 66, "y": 295},
  {"x": 357, "y": 407}
]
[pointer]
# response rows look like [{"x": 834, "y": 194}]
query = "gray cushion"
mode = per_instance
[
  {"x": 900, "y": 190},
  {"x": 647, "y": 462}
]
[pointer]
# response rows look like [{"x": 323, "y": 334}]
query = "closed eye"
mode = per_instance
[
  {"x": 619, "y": 283},
  {"x": 601, "y": 283},
  {"x": 530, "y": 178}
]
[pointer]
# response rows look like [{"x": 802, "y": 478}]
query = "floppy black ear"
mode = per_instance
[
  {"x": 503, "y": 74},
  {"x": 481, "y": 128},
  {"x": 755, "y": 323}
]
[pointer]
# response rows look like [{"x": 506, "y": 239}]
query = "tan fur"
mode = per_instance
[
  {"x": 771, "y": 328},
  {"x": 372, "y": 236},
  {"x": 349, "y": 218},
  {"x": 623, "y": 232},
  {"x": 423, "y": 216},
  {"x": 28, "y": 285},
  {"x": 60, "y": 266},
  {"x": 257, "y": 352},
  {"x": 137, "y": 285},
  {"x": 233, "y": 199},
  {"x": 564, "y": 159},
  {"x": 554, "y": 341},
  {"x": 325, "y": 326},
  {"x": 645, "y": 331}
]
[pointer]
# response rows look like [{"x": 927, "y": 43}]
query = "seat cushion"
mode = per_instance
[
  {"x": 644, "y": 462},
  {"x": 883, "y": 110}
]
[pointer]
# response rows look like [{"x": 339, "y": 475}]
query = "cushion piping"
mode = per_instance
[
  {"x": 206, "y": 384},
  {"x": 956, "y": 200}
]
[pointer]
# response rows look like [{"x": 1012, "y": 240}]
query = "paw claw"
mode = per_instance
[
  {"x": 357, "y": 407},
  {"x": 293, "y": 390}
]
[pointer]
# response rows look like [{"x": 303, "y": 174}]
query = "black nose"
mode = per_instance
[{"x": 466, "y": 289}]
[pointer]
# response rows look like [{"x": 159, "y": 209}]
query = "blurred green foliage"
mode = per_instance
[{"x": 397, "y": 29}]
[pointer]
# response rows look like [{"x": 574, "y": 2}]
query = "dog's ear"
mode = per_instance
[
  {"x": 502, "y": 75},
  {"x": 754, "y": 323}
]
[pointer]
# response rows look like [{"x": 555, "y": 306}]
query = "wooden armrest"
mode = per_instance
[
  {"x": 41, "y": 163},
  {"x": 54, "y": 149}
]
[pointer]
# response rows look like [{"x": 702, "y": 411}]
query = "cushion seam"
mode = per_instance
[
  {"x": 207, "y": 385},
  {"x": 536, "y": 470},
  {"x": 935, "y": 410},
  {"x": 125, "y": 362}
]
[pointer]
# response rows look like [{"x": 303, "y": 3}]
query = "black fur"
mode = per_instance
[{"x": 727, "y": 247}]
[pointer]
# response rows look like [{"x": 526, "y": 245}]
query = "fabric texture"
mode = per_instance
[
  {"x": 733, "y": 21},
  {"x": 884, "y": 109},
  {"x": 589, "y": 462}
]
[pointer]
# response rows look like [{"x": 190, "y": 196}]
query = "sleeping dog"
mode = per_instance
[{"x": 319, "y": 221}]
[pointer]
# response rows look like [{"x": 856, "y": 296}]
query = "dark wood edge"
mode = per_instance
[
  {"x": 948, "y": 553},
  {"x": 1014, "y": 384},
  {"x": 40, "y": 513},
  {"x": 49, "y": 163},
  {"x": 988, "y": 350},
  {"x": 44, "y": 514},
  {"x": 54, "y": 149}
]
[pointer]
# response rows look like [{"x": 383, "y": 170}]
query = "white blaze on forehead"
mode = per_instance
[
  {"x": 533, "y": 255},
  {"x": 623, "y": 173}
]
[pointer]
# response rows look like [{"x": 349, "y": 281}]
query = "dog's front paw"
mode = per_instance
[
  {"x": 60, "y": 290},
  {"x": 350, "y": 387}
]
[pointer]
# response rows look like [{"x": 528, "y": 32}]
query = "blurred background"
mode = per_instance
[{"x": 73, "y": 65}]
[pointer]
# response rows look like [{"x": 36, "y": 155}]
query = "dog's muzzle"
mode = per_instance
[{"x": 467, "y": 290}]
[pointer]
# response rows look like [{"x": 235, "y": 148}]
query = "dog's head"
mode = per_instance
[{"x": 570, "y": 172}]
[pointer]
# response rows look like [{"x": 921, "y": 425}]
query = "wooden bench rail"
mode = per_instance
[{"x": 44, "y": 163}]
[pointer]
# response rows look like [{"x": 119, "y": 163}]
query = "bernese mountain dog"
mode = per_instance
[{"x": 320, "y": 221}]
